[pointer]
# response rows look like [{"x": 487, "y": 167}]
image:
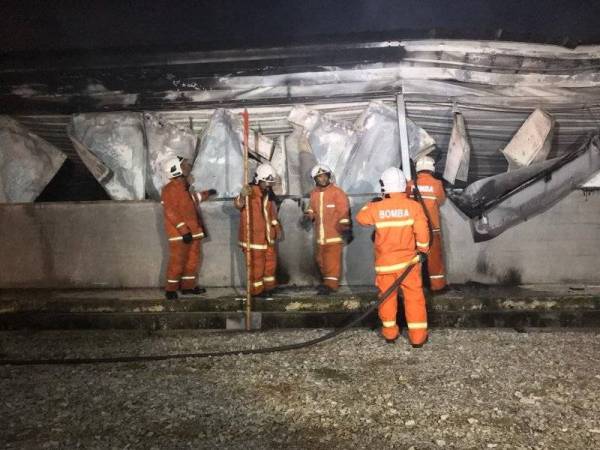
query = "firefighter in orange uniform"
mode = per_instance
[
  {"x": 401, "y": 235},
  {"x": 184, "y": 228},
  {"x": 329, "y": 210},
  {"x": 265, "y": 229},
  {"x": 433, "y": 195}
]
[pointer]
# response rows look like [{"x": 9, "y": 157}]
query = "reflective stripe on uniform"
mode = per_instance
[
  {"x": 257, "y": 283},
  {"x": 330, "y": 240},
  {"x": 344, "y": 220},
  {"x": 429, "y": 197},
  {"x": 433, "y": 277},
  {"x": 436, "y": 230},
  {"x": 188, "y": 278},
  {"x": 180, "y": 224},
  {"x": 388, "y": 323},
  {"x": 274, "y": 222},
  {"x": 268, "y": 279},
  {"x": 172, "y": 281},
  {"x": 198, "y": 235},
  {"x": 395, "y": 267},
  {"x": 178, "y": 238},
  {"x": 422, "y": 244},
  {"x": 254, "y": 246},
  {"x": 266, "y": 217},
  {"x": 330, "y": 278},
  {"x": 394, "y": 223},
  {"x": 309, "y": 211},
  {"x": 417, "y": 325}
]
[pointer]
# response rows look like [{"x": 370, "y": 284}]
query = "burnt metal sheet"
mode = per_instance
[
  {"x": 27, "y": 162},
  {"x": 541, "y": 192}
]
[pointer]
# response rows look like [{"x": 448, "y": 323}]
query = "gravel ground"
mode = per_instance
[{"x": 465, "y": 389}]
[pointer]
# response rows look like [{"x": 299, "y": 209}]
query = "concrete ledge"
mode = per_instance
[{"x": 461, "y": 306}]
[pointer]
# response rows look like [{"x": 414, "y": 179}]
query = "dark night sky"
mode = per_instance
[{"x": 61, "y": 25}]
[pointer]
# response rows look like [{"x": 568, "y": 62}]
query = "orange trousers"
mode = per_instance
[
  {"x": 184, "y": 262},
  {"x": 262, "y": 272},
  {"x": 414, "y": 306},
  {"x": 329, "y": 260},
  {"x": 435, "y": 263}
]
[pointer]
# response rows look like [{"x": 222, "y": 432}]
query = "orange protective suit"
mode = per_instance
[
  {"x": 330, "y": 211},
  {"x": 400, "y": 233},
  {"x": 432, "y": 192},
  {"x": 182, "y": 216},
  {"x": 265, "y": 229}
]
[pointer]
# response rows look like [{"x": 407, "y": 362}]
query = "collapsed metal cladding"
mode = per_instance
[{"x": 315, "y": 98}]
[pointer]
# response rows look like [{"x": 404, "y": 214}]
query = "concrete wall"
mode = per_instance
[{"x": 121, "y": 244}]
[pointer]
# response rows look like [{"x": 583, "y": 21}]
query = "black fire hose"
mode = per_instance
[{"x": 282, "y": 348}]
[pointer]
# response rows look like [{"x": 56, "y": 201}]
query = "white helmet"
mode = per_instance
[
  {"x": 392, "y": 180},
  {"x": 265, "y": 172},
  {"x": 320, "y": 169},
  {"x": 425, "y": 163},
  {"x": 173, "y": 167}
]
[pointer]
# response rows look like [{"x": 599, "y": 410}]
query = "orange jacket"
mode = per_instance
[
  {"x": 432, "y": 192},
  {"x": 264, "y": 226},
  {"x": 400, "y": 231},
  {"x": 330, "y": 211},
  {"x": 181, "y": 210}
]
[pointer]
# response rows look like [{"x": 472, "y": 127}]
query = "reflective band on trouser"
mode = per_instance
[
  {"x": 436, "y": 230},
  {"x": 254, "y": 246},
  {"x": 172, "y": 281},
  {"x": 257, "y": 283},
  {"x": 422, "y": 244},
  {"x": 435, "y": 277},
  {"x": 395, "y": 267},
  {"x": 330, "y": 278},
  {"x": 344, "y": 220},
  {"x": 274, "y": 222},
  {"x": 417, "y": 325},
  {"x": 198, "y": 235},
  {"x": 180, "y": 224},
  {"x": 178, "y": 238},
  {"x": 394, "y": 223},
  {"x": 388, "y": 323},
  {"x": 330, "y": 240},
  {"x": 188, "y": 278},
  {"x": 269, "y": 279}
]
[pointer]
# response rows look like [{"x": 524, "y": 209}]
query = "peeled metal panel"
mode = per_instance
[
  {"x": 570, "y": 172},
  {"x": 220, "y": 163},
  {"x": 27, "y": 162},
  {"x": 330, "y": 141},
  {"x": 459, "y": 152},
  {"x": 478, "y": 195},
  {"x": 378, "y": 148},
  {"x": 165, "y": 140},
  {"x": 279, "y": 163},
  {"x": 116, "y": 141},
  {"x": 532, "y": 141}
]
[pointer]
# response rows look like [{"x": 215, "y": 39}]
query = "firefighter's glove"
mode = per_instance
[
  {"x": 187, "y": 238},
  {"x": 212, "y": 192},
  {"x": 246, "y": 191},
  {"x": 306, "y": 222},
  {"x": 422, "y": 257},
  {"x": 348, "y": 236}
]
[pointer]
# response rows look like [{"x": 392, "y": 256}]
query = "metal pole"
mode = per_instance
[
  {"x": 248, "y": 316},
  {"x": 401, "y": 108}
]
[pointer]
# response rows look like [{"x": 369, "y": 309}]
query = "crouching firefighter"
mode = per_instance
[
  {"x": 329, "y": 210},
  {"x": 433, "y": 196},
  {"x": 265, "y": 229},
  {"x": 400, "y": 238},
  {"x": 184, "y": 228}
]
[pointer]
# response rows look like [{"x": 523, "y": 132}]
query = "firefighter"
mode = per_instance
[
  {"x": 265, "y": 229},
  {"x": 400, "y": 238},
  {"x": 433, "y": 195},
  {"x": 329, "y": 211},
  {"x": 184, "y": 228}
]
